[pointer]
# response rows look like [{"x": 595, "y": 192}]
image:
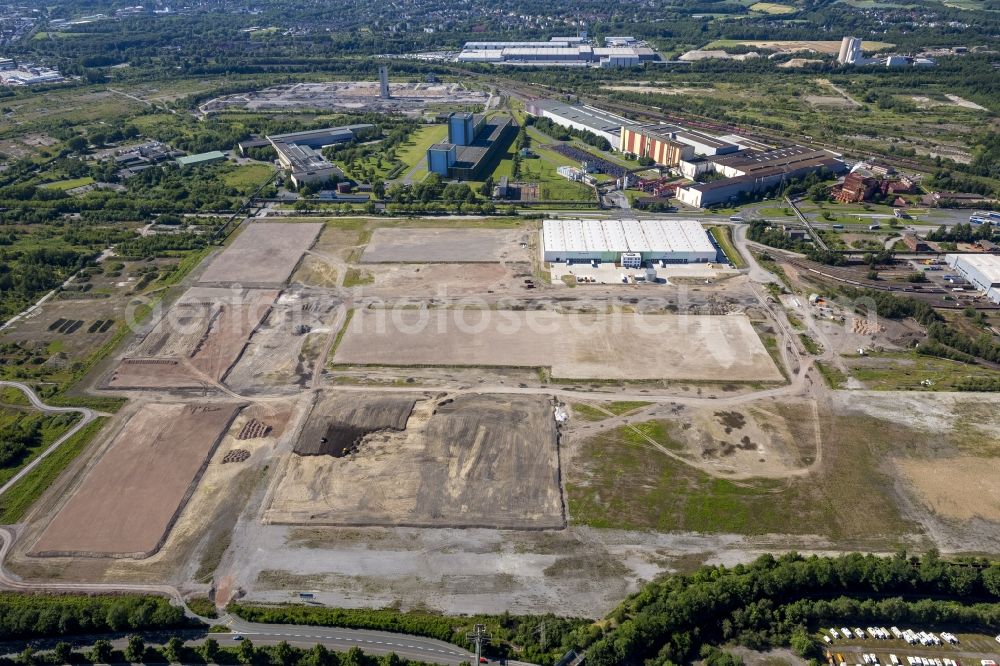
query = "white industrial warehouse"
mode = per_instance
[
  {"x": 629, "y": 242},
  {"x": 982, "y": 270}
]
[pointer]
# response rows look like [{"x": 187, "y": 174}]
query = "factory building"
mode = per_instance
[
  {"x": 474, "y": 142},
  {"x": 982, "y": 270},
  {"x": 751, "y": 172},
  {"x": 850, "y": 51},
  {"x": 650, "y": 141},
  {"x": 580, "y": 117},
  {"x": 297, "y": 152},
  {"x": 629, "y": 241},
  {"x": 669, "y": 145},
  {"x": 560, "y": 52}
]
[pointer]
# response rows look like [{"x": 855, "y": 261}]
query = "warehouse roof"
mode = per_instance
[
  {"x": 988, "y": 265},
  {"x": 625, "y": 236},
  {"x": 294, "y": 137},
  {"x": 753, "y": 160},
  {"x": 588, "y": 116},
  {"x": 201, "y": 158}
]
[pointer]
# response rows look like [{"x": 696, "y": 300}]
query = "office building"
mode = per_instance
[
  {"x": 474, "y": 144},
  {"x": 297, "y": 152}
]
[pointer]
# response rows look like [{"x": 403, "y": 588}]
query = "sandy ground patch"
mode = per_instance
[
  {"x": 660, "y": 90},
  {"x": 281, "y": 353},
  {"x": 761, "y": 439},
  {"x": 823, "y": 100},
  {"x": 599, "y": 346},
  {"x": 800, "y": 62},
  {"x": 389, "y": 245},
  {"x": 263, "y": 255},
  {"x": 438, "y": 280},
  {"x": 132, "y": 495},
  {"x": 960, "y": 488},
  {"x": 820, "y": 46},
  {"x": 477, "y": 460},
  {"x": 964, "y": 103}
]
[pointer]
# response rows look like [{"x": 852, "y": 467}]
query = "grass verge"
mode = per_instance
[
  {"x": 16, "y": 502},
  {"x": 724, "y": 237}
]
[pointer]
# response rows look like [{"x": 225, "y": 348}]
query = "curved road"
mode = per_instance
[{"x": 88, "y": 416}]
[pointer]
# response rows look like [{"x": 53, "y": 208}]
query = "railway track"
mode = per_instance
[
  {"x": 762, "y": 134},
  {"x": 850, "y": 277}
]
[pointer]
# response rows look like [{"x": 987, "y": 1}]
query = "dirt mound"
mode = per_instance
[{"x": 336, "y": 427}]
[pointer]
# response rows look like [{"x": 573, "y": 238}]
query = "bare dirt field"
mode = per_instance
[
  {"x": 426, "y": 246},
  {"x": 129, "y": 499},
  {"x": 585, "y": 346},
  {"x": 198, "y": 339},
  {"x": 264, "y": 255},
  {"x": 960, "y": 488},
  {"x": 829, "y": 101},
  {"x": 452, "y": 279},
  {"x": 477, "y": 460}
]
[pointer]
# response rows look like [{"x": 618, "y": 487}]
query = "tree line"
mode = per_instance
[{"x": 34, "y": 615}]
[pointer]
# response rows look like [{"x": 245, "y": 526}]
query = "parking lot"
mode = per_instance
[{"x": 901, "y": 646}]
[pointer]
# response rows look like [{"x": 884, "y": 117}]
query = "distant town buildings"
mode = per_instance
[{"x": 27, "y": 74}]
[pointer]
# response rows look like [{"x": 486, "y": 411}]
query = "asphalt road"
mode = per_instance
[
  {"x": 373, "y": 642},
  {"x": 338, "y": 640}
]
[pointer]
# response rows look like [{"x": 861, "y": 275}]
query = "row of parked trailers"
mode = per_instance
[{"x": 881, "y": 633}]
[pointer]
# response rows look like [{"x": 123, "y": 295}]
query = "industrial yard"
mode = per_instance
[
  {"x": 350, "y": 96},
  {"x": 469, "y": 461},
  {"x": 365, "y": 401}
]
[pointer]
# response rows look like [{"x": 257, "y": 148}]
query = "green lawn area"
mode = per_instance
[
  {"x": 68, "y": 184},
  {"x": 415, "y": 149},
  {"x": 16, "y": 502},
  {"x": 617, "y": 408},
  {"x": 625, "y": 483},
  {"x": 903, "y": 371},
  {"x": 723, "y": 236},
  {"x": 246, "y": 178},
  {"x": 542, "y": 170}
]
